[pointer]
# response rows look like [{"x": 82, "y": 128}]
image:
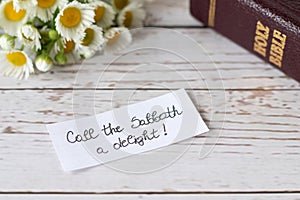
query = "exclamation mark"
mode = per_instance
[{"x": 165, "y": 129}]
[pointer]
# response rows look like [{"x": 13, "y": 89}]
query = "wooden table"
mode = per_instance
[{"x": 256, "y": 156}]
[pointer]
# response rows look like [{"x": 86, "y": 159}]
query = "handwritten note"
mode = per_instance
[{"x": 126, "y": 131}]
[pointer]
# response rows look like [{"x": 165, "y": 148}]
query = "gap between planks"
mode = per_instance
[
  {"x": 159, "y": 192},
  {"x": 152, "y": 89}
]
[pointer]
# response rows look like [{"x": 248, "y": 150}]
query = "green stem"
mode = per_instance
[
  {"x": 22, "y": 47},
  {"x": 49, "y": 47},
  {"x": 61, "y": 46}
]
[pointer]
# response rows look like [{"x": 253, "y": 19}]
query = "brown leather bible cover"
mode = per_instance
[{"x": 268, "y": 28}]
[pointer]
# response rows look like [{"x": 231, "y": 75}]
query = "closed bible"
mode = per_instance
[{"x": 268, "y": 28}]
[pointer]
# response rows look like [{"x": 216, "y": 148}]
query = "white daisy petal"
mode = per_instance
[
  {"x": 30, "y": 36},
  {"x": 15, "y": 64},
  {"x": 73, "y": 19},
  {"x": 44, "y": 63},
  {"x": 117, "y": 39},
  {"x": 132, "y": 16},
  {"x": 93, "y": 42},
  {"x": 104, "y": 14},
  {"x": 24, "y": 4},
  {"x": 7, "y": 42},
  {"x": 45, "y": 8},
  {"x": 10, "y": 19}
]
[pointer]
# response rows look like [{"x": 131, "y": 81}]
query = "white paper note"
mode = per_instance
[{"x": 126, "y": 131}]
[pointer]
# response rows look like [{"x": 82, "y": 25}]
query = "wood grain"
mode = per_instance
[
  {"x": 160, "y": 197},
  {"x": 170, "y": 13},
  {"x": 259, "y": 138},
  {"x": 235, "y": 165},
  {"x": 234, "y": 69},
  {"x": 27, "y": 111}
]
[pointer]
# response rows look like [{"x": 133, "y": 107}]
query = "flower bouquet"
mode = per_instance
[{"x": 39, "y": 34}]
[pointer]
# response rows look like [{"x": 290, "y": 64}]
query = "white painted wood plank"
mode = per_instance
[
  {"x": 234, "y": 165},
  {"x": 169, "y": 13},
  {"x": 258, "y": 148},
  {"x": 238, "y": 69},
  {"x": 153, "y": 196},
  {"x": 259, "y": 111}
]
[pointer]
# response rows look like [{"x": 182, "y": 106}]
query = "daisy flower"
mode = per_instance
[
  {"x": 45, "y": 8},
  {"x": 65, "y": 52},
  {"x": 30, "y": 36},
  {"x": 24, "y": 4},
  {"x": 104, "y": 14},
  {"x": 70, "y": 51},
  {"x": 132, "y": 16},
  {"x": 117, "y": 39},
  {"x": 16, "y": 64},
  {"x": 92, "y": 42},
  {"x": 7, "y": 42},
  {"x": 10, "y": 19},
  {"x": 73, "y": 19},
  {"x": 120, "y": 4}
]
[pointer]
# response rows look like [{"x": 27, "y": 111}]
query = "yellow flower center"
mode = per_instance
[
  {"x": 71, "y": 17},
  {"x": 69, "y": 46},
  {"x": 46, "y": 3},
  {"x": 99, "y": 13},
  {"x": 16, "y": 58},
  {"x": 128, "y": 19},
  {"x": 11, "y": 14},
  {"x": 114, "y": 38},
  {"x": 120, "y": 4},
  {"x": 89, "y": 37}
]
